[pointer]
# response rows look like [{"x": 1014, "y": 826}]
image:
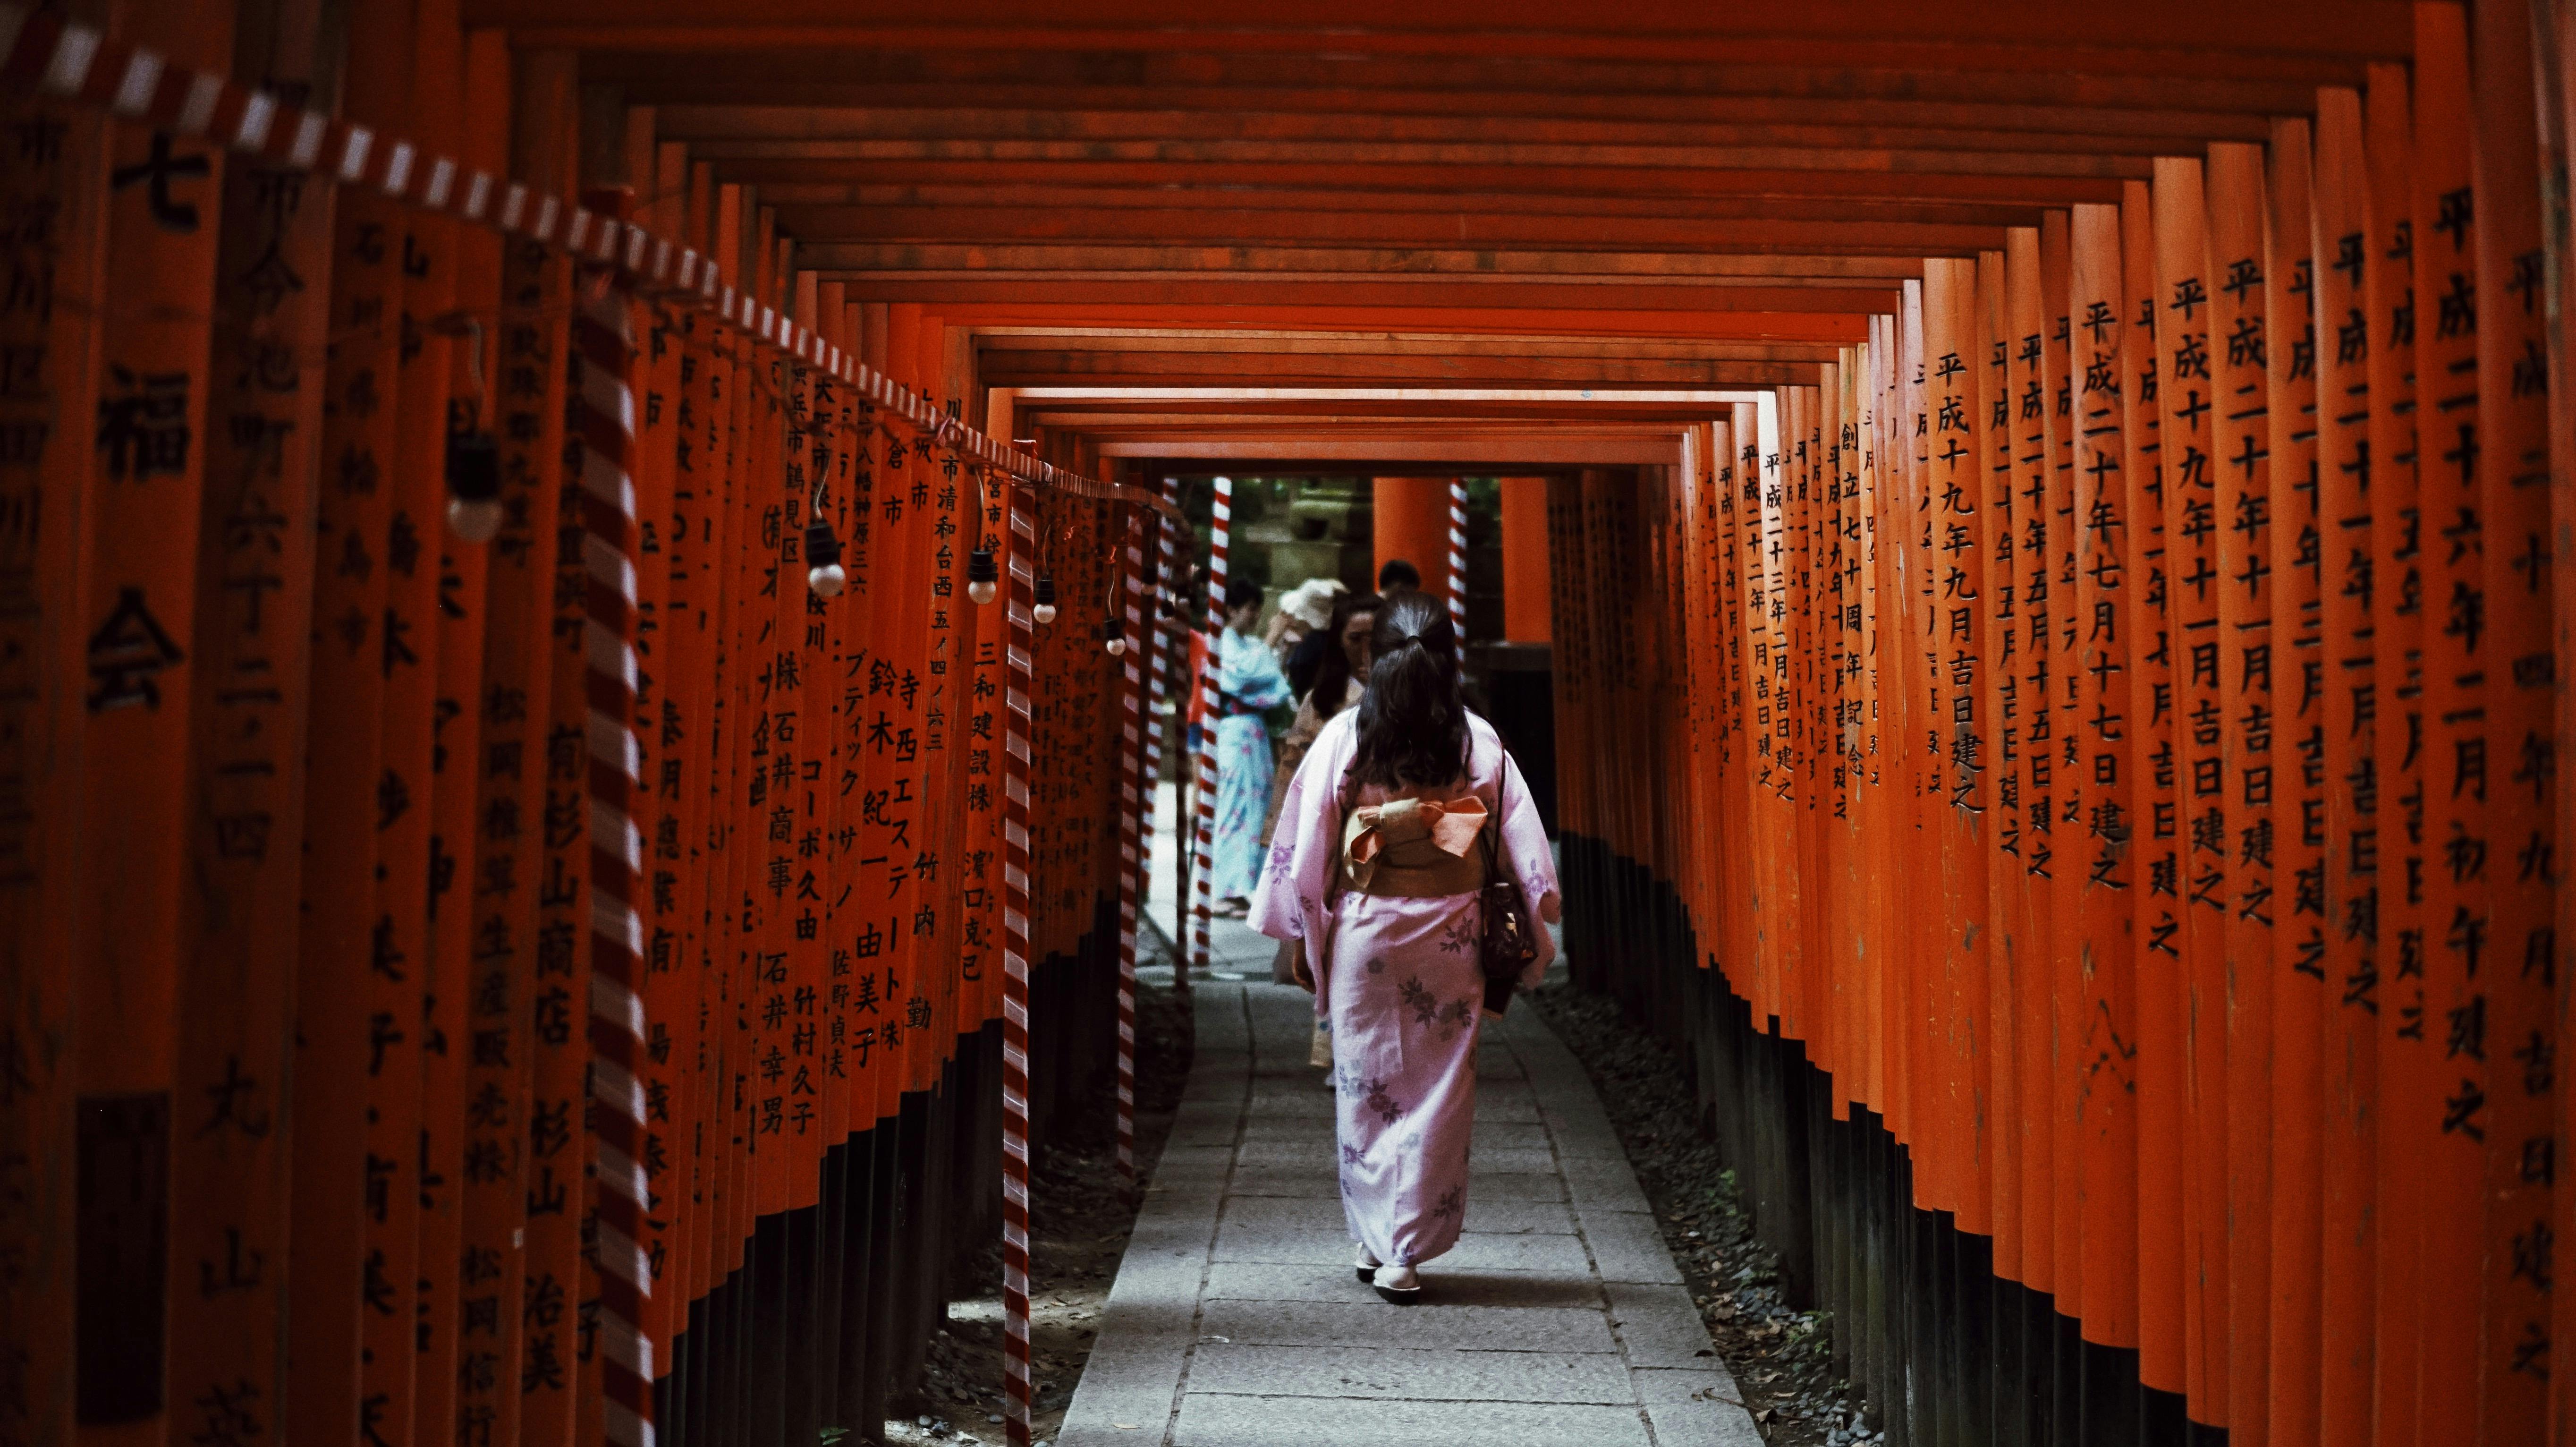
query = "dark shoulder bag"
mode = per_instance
[{"x": 1509, "y": 939}]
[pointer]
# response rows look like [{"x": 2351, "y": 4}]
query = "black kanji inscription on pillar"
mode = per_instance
[{"x": 125, "y": 654}]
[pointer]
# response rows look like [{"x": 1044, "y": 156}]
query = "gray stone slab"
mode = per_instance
[
  {"x": 1695, "y": 1409},
  {"x": 1281, "y": 1064},
  {"x": 1514, "y": 1185},
  {"x": 1627, "y": 1247},
  {"x": 1300, "y": 1150},
  {"x": 1122, "y": 1400},
  {"x": 1485, "y": 1215},
  {"x": 1416, "y": 1374},
  {"x": 1269, "y": 1281},
  {"x": 1270, "y": 1130},
  {"x": 1535, "y": 1042},
  {"x": 1261, "y": 1179},
  {"x": 1191, "y": 1174},
  {"x": 1607, "y": 1184},
  {"x": 1658, "y": 1326},
  {"x": 1575, "y": 1119},
  {"x": 1283, "y": 1213},
  {"x": 1685, "y": 1386},
  {"x": 1150, "y": 1321},
  {"x": 1569, "y": 1087},
  {"x": 1500, "y": 1101},
  {"x": 1318, "y": 1152},
  {"x": 1193, "y": 1164},
  {"x": 1505, "y": 1101},
  {"x": 1220, "y": 1025},
  {"x": 1229, "y": 1421},
  {"x": 1508, "y": 1135},
  {"x": 1506, "y": 1160},
  {"x": 1268, "y": 1179},
  {"x": 1372, "y": 1322},
  {"x": 1474, "y": 1251},
  {"x": 1581, "y": 1136},
  {"x": 1270, "y": 1101},
  {"x": 1491, "y": 1215},
  {"x": 1156, "y": 1243}
]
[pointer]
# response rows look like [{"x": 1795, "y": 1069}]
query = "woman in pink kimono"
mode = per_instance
[{"x": 1374, "y": 873}]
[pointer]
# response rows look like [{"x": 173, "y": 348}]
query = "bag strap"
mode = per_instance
[{"x": 1494, "y": 821}]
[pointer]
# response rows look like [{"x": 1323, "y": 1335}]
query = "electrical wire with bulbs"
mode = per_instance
[
  {"x": 473, "y": 464},
  {"x": 475, "y": 511}
]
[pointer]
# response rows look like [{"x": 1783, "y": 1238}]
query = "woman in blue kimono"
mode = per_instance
[{"x": 1248, "y": 685}]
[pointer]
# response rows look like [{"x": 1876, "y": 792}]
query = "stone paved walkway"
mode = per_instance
[
  {"x": 1236, "y": 1322},
  {"x": 1236, "y": 951}
]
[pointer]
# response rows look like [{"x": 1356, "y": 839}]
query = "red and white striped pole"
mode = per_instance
[
  {"x": 1131, "y": 848},
  {"x": 1458, "y": 568},
  {"x": 1167, "y": 637},
  {"x": 1015, "y": 982},
  {"x": 1221, "y": 520},
  {"x": 603, "y": 339},
  {"x": 1168, "y": 539}
]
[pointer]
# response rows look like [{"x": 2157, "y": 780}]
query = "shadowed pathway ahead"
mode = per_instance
[{"x": 1236, "y": 1321}]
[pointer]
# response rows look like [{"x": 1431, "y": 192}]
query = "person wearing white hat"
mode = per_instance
[{"x": 1302, "y": 610}]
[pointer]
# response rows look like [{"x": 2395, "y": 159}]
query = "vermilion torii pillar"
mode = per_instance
[
  {"x": 1525, "y": 575},
  {"x": 1410, "y": 520}
]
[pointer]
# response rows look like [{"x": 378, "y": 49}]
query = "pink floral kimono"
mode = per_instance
[{"x": 1396, "y": 978}]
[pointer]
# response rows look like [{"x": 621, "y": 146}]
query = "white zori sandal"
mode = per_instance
[
  {"x": 1398, "y": 1284},
  {"x": 1367, "y": 1266}
]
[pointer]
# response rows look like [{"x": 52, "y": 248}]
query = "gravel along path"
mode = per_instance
[
  {"x": 1782, "y": 1359},
  {"x": 1079, "y": 1230}
]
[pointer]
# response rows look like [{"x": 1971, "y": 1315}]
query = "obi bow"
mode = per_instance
[{"x": 1412, "y": 834}]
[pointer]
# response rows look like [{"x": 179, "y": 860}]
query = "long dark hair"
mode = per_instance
[
  {"x": 1412, "y": 723},
  {"x": 1333, "y": 670}
]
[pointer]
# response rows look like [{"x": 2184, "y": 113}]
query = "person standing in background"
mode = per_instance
[
  {"x": 1341, "y": 676},
  {"x": 1248, "y": 685},
  {"x": 1398, "y": 576},
  {"x": 1341, "y": 679},
  {"x": 1304, "y": 611}
]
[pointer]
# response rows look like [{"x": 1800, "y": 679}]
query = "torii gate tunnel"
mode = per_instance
[{"x": 586, "y": 589}]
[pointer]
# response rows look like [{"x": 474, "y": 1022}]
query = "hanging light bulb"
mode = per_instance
[
  {"x": 1044, "y": 612},
  {"x": 823, "y": 571},
  {"x": 981, "y": 575},
  {"x": 1116, "y": 629},
  {"x": 474, "y": 511}
]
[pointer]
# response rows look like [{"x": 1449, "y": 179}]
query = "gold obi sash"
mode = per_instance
[{"x": 1414, "y": 848}]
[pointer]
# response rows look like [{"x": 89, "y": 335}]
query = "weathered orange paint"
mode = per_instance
[
  {"x": 1410, "y": 520},
  {"x": 2299, "y": 996},
  {"x": 2234, "y": 1019},
  {"x": 2349, "y": 1049},
  {"x": 1526, "y": 580}
]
